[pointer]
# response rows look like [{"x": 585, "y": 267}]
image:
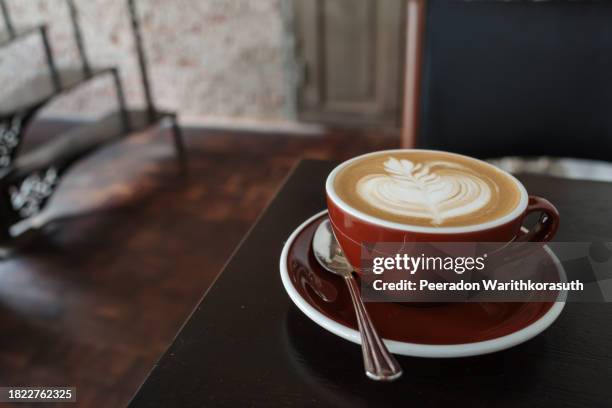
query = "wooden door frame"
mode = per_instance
[{"x": 342, "y": 113}]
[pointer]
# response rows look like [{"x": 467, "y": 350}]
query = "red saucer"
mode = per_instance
[{"x": 443, "y": 324}]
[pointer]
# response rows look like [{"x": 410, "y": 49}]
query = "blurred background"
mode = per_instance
[
  {"x": 140, "y": 139},
  {"x": 217, "y": 59}
]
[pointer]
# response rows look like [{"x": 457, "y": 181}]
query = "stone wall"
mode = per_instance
[{"x": 208, "y": 58}]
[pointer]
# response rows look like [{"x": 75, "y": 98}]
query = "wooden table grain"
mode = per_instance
[{"x": 246, "y": 344}]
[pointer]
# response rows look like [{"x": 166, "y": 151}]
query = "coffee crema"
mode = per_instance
[{"x": 427, "y": 188}]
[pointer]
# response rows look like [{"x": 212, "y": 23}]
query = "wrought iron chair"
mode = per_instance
[{"x": 27, "y": 181}]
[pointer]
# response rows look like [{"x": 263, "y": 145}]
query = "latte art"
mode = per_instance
[
  {"x": 432, "y": 188},
  {"x": 435, "y": 191}
]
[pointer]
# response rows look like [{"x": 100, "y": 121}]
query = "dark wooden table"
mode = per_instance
[{"x": 246, "y": 344}]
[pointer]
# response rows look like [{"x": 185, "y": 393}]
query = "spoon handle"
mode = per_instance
[{"x": 379, "y": 364}]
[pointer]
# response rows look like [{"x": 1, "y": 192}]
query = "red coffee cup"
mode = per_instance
[{"x": 354, "y": 228}]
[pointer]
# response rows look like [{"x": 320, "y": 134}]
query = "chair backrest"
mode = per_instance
[{"x": 517, "y": 78}]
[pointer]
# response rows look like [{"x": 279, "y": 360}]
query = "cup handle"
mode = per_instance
[{"x": 546, "y": 226}]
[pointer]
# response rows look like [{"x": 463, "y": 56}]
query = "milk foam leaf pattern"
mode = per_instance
[
  {"x": 419, "y": 176},
  {"x": 435, "y": 190}
]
